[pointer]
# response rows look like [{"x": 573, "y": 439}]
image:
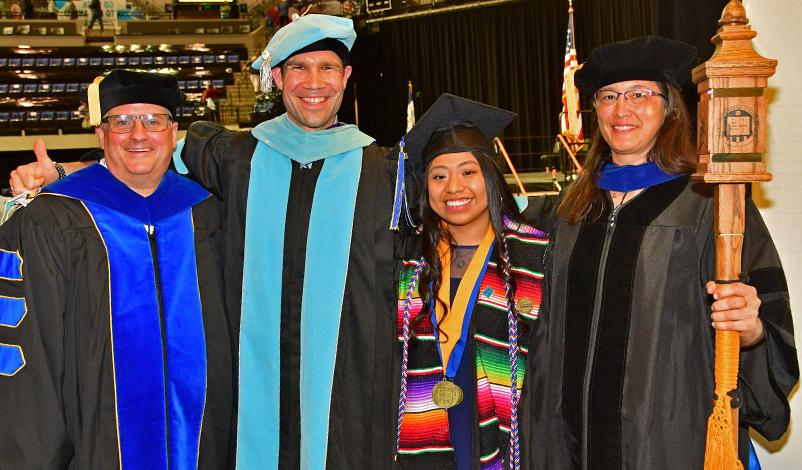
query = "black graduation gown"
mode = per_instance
[
  {"x": 59, "y": 410},
  {"x": 364, "y": 395},
  {"x": 630, "y": 342}
]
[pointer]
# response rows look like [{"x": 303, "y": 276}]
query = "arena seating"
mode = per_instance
[{"x": 39, "y": 85}]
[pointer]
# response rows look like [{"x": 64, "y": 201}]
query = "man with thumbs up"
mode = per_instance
[{"x": 114, "y": 344}]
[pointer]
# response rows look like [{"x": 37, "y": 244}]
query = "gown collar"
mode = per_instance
[
  {"x": 614, "y": 177},
  {"x": 306, "y": 147},
  {"x": 96, "y": 184}
]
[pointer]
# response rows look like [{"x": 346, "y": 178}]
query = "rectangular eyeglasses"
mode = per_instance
[
  {"x": 124, "y": 123},
  {"x": 636, "y": 97}
]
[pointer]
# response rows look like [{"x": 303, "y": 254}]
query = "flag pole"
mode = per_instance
[
  {"x": 570, "y": 136},
  {"x": 571, "y": 94},
  {"x": 410, "y": 106}
]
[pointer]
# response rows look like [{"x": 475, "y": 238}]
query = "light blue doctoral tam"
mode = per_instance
[{"x": 302, "y": 32}]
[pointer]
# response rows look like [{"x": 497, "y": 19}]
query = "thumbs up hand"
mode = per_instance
[{"x": 29, "y": 178}]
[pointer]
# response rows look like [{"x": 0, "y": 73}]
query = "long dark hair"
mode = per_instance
[
  {"x": 673, "y": 152},
  {"x": 501, "y": 206}
]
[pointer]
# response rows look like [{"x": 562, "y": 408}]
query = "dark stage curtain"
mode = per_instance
[{"x": 508, "y": 55}]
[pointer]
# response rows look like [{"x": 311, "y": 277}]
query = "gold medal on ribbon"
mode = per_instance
[
  {"x": 446, "y": 394},
  {"x": 524, "y": 305}
]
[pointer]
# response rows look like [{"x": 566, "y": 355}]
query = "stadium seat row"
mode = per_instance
[
  {"x": 58, "y": 88},
  {"x": 19, "y": 116},
  {"x": 118, "y": 61}
]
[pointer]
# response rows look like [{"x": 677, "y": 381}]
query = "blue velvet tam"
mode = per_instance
[{"x": 305, "y": 31}]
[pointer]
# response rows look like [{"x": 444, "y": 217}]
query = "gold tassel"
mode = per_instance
[
  {"x": 93, "y": 96},
  {"x": 572, "y": 102},
  {"x": 720, "y": 449}
]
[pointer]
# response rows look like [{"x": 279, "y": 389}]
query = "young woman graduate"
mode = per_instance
[{"x": 469, "y": 300}]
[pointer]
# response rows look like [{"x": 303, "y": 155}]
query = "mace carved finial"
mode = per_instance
[{"x": 734, "y": 13}]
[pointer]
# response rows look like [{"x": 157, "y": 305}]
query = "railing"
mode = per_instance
[
  {"x": 526, "y": 152},
  {"x": 377, "y": 10},
  {"x": 572, "y": 148},
  {"x": 528, "y": 182},
  {"x": 503, "y": 151}
]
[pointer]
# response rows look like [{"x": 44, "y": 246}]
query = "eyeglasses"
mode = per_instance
[
  {"x": 637, "y": 97},
  {"x": 124, "y": 123}
]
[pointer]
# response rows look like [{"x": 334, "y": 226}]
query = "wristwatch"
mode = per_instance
[{"x": 60, "y": 170}]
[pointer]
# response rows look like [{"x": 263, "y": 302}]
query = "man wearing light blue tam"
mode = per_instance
[
  {"x": 316, "y": 32},
  {"x": 309, "y": 259}
]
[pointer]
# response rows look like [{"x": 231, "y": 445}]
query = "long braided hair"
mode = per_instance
[{"x": 501, "y": 208}]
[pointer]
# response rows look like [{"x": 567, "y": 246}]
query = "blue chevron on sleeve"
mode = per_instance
[
  {"x": 12, "y": 311},
  {"x": 10, "y": 265},
  {"x": 11, "y": 359}
]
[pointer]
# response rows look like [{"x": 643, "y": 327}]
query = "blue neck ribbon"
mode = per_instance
[{"x": 459, "y": 349}]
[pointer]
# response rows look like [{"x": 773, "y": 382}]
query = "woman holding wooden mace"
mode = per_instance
[
  {"x": 469, "y": 297},
  {"x": 633, "y": 308}
]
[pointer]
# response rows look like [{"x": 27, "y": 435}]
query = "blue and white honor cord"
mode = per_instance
[{"x": 512, "y": 323}]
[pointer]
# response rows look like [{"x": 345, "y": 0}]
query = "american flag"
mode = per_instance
[
  {"x": 410, "y": 108},
  {"x": 570, "y": 119}
]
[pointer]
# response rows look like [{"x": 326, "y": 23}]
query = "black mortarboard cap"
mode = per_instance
[
  {"x": 451, "y": 125},
  {"x": 121, "y": 87},
  {"x": 454, "y": 124},
  {"x": 651, "y": 58}
]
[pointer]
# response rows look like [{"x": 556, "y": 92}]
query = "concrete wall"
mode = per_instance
[{"x": 779, "y": 36}]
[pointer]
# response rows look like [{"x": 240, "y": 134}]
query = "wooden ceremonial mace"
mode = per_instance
[{"x": 731, "y": 140}]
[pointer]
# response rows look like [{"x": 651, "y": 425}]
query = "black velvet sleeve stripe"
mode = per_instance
[
  {"x": 768, "y": 280},
  {"x": 777, "y": 311},
  {"x": 773, "y": 290},
  {"x": 9, "y": 288}
]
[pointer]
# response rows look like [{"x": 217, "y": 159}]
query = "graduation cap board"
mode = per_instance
[
  {"x": 306, "y": 33},
  {"x": 121, "y": 87},
  {"x": 649, "y": 58},
  {"x": 451, "y": 125}
]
